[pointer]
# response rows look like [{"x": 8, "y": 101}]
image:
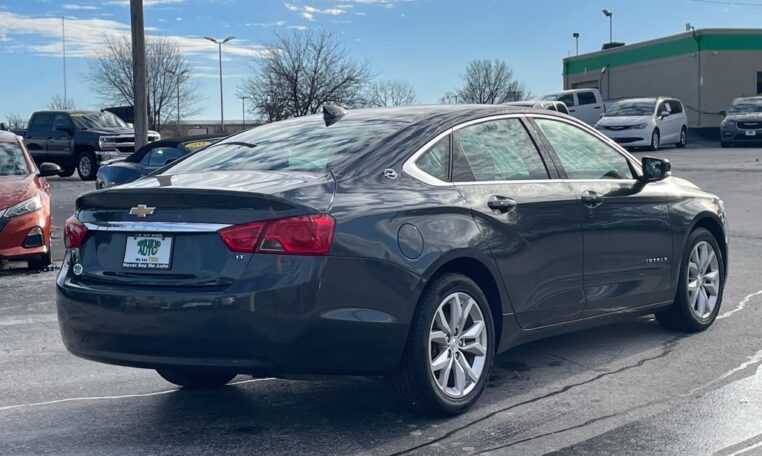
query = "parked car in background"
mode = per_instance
[
  {"x": 742, "y": 122},
  {"x": 79, "y": 140},
  {"x": 557, "y": 106},
  {"x": 646, "y": 122},
  {"x": 414, "y": 242},
  {"x": 24, "y": 204},
  {"x": 149, "y": 158},
  {"x": 586, "y": 105}
]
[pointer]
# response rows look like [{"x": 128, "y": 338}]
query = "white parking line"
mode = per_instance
[
  {"x": 740, "y": 306},
  {"x": 107, "y": 398}
]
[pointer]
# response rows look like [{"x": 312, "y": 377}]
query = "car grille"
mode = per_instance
[
  {"x": 747, "y": 125},
  {"x": 627, "y": 140},
  {"x": 617, "y": 127}
]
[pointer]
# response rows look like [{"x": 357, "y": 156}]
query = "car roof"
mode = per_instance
[{"x": 8, "y": 136}]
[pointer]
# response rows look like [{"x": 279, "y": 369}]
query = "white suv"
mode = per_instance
[{"x": 650, "y": 122}]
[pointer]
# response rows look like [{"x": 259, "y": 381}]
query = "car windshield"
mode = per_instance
[
  {"x": 746, "y": 106},
  {"x": 631, "y": 108},
  {"x": 12, "y": 161},
  {"x": 303, "y": 144},
  {"x": 97, "y": 120}
]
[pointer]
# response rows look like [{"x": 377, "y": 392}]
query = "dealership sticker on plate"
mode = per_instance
[
  {"x": 751, "y": 132},
  {"x": 148, "y": 251}
]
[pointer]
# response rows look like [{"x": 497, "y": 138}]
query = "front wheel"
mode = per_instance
[
  {"x": 699, "y": 292},
  {"x": 195, "y": 379},
  {"x": 87, "y": 166},
  {"x": 683, "y": 139},
  {"x": 655, "y": 140},
  {"x": 450, "y": 349}
]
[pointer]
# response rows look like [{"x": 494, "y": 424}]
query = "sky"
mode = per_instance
[{"x": 426, "y": 42}]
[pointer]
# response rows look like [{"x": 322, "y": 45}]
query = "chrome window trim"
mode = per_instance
[{"x": 156, "y": 227}]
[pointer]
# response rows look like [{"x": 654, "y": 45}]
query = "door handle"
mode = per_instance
[
  {"x": 591, "y": 198},
  {"x": 500, "y": 204}
]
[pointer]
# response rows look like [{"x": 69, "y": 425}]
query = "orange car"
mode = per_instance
[{"x": 24, "y": 204}]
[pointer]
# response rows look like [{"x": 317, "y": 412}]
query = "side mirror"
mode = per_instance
[
  {"x": 50, "y": 169},
  {"x": 130, "y": 125},
  {"x": 664, "y": 114},
  {"x": 723, "y": 113},
  {"x": 655, "y": 169},
  {"x": 63, "y": 127}
]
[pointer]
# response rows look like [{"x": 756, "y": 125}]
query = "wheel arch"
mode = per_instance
[{"x": 712, "y": 223}]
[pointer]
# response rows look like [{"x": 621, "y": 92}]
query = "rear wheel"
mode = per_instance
[
  {"x": 655, "y": 140},
  {"x": 195, "y": 379},
  {"x": 683, "y": 139},
  {"x": 87, "y": 166},
  {"x": 450, "y": 349},
  {"x": 699, "y": 292}
]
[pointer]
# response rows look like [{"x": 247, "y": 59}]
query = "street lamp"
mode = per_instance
[
  {"x": 243, "y": 111},
  {"x": 610, "y": 15},
  {"x": 179, "y": 75},
  {"x": 219, "y": 47},
  {"x": 576, "y": 39}
]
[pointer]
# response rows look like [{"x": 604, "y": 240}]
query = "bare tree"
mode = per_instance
[
  {"x": 110, "y": 76},
  {"x": 59, "y": 103},
  {"x": 303, "y": 71},
  {"x": 389, "y": 93},
  {"x": 15, "y": 121},
  {"x": 488, "y": 82}
]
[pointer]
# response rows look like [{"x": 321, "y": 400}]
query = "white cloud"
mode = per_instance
[
  {"x": 309, "y": 12},
  {"x": 85, "y": 37},
  {"x": 74, "y": 6}
]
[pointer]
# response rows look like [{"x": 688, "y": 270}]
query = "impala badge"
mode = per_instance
[{"x": 141, "y": 210}]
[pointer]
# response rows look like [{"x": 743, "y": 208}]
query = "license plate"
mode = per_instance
[
  {"x": 751, "y": 132},
  {"x": 148, "y": 251}
]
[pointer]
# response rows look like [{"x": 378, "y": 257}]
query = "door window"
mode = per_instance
[
  {"x": 62, "y": 120},
  {"x": 582, "y": 155},
  {"x": 500, "y": 150},
  {"x": 675, "y": 106},
  {"x": 663, "y": 107},
  {"x": 567, "y": 99},
  {"x": 160, "y": 156},
  {"x": 586, "y": 98},
  {"x": 436, "y": 161},
  {"x": 41, "y": 123}
]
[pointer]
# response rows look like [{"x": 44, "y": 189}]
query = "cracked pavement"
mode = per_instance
[{"x": 629, "y": 388}]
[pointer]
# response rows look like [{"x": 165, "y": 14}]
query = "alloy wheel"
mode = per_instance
[
  {"x": 458, "y": 345},
  {"x": 704, "y": 280},
  {"x": 655, "y": 140},
  {"x": 85, "y": 166}
]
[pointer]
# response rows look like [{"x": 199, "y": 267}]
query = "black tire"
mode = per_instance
[
  {"x": 655, "y": 140},
  {"x": 40, "y": 263},
  {"x": 67, "y": 171},
  {"x": 679, "y": 316},
  {"x": 683, "y": 139},
  {"x": 414, "y": 382},
  {"x": 87, "y": 166},
  {"x": 195, "y": 379}
]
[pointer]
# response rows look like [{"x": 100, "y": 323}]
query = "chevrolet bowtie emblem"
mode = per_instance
[{"x": 141, "y": 210}]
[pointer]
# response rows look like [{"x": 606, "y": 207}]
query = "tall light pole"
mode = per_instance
[
  {"x": 243, "y": 111},
  {"x": 63, "y": 47},
  {"x": 610, "y": 15},
  {"x": 179, "y": 75},
  {"x": 139, "y": 75},
  {"x": 219, "y": 47},
  {"x": 576, "y": 39}
]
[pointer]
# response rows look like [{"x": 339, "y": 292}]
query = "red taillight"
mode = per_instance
[
  {"x": 74, "y": 233},
  {"x": 301, "y": 235}
]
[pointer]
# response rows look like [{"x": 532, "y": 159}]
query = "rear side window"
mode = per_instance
[
  {"x": 586, "y": 98},
  {"x": 436, "y": 161},
  {"x": 499, "y": 150},
  {"x": 302, "y": 144},
  {"x": 582, "y": 155},
  {"x": 42, "y": 122}
]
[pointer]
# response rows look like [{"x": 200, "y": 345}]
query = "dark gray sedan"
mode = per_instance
[
  {"x": 743, "y": 122},
  {"x": 149, "y": 158},
  {"x": 414, "y": 243}
]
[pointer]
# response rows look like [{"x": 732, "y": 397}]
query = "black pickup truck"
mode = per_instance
[{"x": 79, "y": 140}]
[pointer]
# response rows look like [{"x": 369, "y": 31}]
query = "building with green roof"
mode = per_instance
[{"x": 706, "y": 69}]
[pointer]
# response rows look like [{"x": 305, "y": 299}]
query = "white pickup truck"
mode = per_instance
[{"x": 586, "y": 105}]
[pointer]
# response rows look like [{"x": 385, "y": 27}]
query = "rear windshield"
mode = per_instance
[
  {"x": 746, "y": 106},
  {"x": 631, "y": 108},
  {"x": 12, "y": 161},
  {"x": 303, "y": 144}
]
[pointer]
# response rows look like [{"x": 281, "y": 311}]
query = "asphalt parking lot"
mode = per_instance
[{"x": 630, "y": 388}]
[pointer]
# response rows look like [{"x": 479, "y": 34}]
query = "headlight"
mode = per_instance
[
  {"x": 105, "y": 143},
  {"x": 641, "y": 126},
  {"x": 727, "y": 124},
  {"x": 32, "y": 204}
]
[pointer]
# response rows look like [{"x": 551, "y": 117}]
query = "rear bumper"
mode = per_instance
[
  {"x": 14, "y": 234},
  {"x": 335, "y": 316}
]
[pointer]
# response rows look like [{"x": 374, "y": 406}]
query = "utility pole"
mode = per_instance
[
  {"x": 63, "y": 47},
  {"x": 140, "y": 108},
  {"x": 243, "y": 111},
  {"x": 219, "y": 47}
]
